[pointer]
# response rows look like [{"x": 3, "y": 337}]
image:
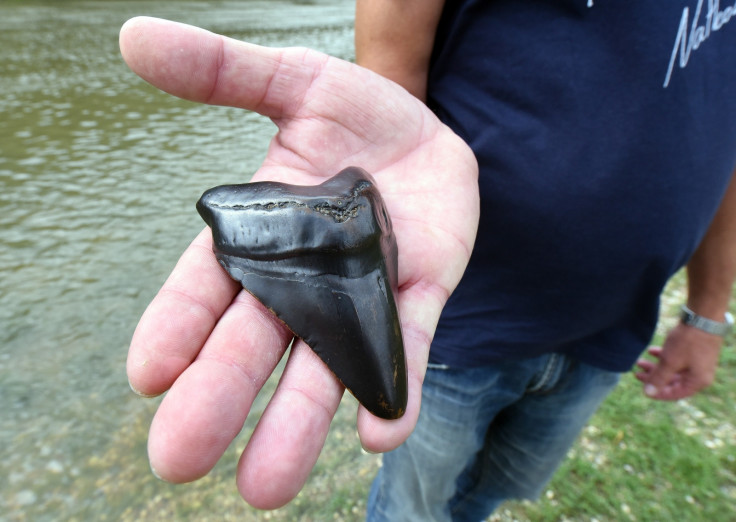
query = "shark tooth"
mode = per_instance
[{"x": 324, "y": 259}]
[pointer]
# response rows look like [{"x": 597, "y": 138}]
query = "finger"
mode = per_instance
[
  {"x": 176, "y": 324},
  {"x": 669, "y": 391},
  {"x": 646, "y": 364},
  {"x": 198, "y": 65},
  {"x": 291, "y": 433},
  {"x": 642, "y": 377},
  {"x": 675, "y": 390},
  {"x": 646, "y": 368},
  {"x": 193, "y": 63},
  {"x": 662, "y": 380},
  {"x": 379, "y": 435},
  {"x": 659, "y": 381},
  {"x": 207, "y": 406},
  {"x": 420, "y": 307}
]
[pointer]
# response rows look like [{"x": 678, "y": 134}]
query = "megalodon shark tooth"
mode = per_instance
[{"x": 324, "y": 259}]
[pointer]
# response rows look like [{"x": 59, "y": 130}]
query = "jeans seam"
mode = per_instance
[{"x": 549, "y": 370}]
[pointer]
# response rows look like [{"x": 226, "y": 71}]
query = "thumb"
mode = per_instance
[{"x": 204, "y": 67}]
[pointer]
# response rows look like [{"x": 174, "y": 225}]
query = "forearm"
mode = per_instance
[
  {"x": 712, "y": 269},
  {"x": 395, "y": 39}
]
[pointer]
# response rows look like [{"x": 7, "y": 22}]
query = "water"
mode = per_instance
[{"x": 99, "y": 173}]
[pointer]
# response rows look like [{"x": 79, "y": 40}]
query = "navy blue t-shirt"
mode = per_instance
[{"x": 606, "y": 136}]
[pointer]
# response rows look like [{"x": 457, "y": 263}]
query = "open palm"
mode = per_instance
[{"x": 211, "y": 344}]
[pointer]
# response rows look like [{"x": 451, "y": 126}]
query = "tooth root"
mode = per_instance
[{"x": 324, "y": 260}]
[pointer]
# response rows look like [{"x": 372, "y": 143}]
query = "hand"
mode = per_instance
[
  {"x": 685, "y": 364},
  {"x": 211, "y": 344}
]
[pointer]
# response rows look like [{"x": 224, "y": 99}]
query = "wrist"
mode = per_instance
[{"x": 720, "y": 328}]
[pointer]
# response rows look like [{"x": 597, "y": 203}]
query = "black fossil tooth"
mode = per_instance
[{"x": 324, "y": 259}]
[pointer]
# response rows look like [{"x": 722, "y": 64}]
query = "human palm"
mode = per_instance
[{"x": 213, "y": 345}]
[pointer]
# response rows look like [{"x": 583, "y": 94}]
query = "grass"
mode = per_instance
[{"x": 637, "y": 460}]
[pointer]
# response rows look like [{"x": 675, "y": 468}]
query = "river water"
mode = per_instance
[{"x": 99, "y": 173}]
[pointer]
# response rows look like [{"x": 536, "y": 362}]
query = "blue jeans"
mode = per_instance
[{"x": 486, "y": 435}]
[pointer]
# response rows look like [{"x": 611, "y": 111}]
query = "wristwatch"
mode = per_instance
[{"x": 710, "y": 326}]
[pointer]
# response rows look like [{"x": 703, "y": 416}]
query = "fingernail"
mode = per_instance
[
  {"x": 650, "y": 390},
  {"x": 140, "y": 393}
]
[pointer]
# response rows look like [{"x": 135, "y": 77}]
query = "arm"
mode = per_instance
[
  {"x": 687, "y": 361},
  {"x": 712, "y": 269},
  {"x": 395, "y": 38}
]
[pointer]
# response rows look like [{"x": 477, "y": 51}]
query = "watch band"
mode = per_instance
[{"x": 710, "y": 326}]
